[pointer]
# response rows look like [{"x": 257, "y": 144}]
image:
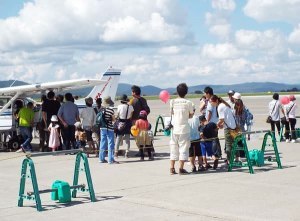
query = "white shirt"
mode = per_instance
[
  {"x": 275, "y": 114},
  {"x": 291, "y": 107},
  {"x": 181, "y": 109},
  {"x": 88, "y": 117},
  {"x": 122, "y": 108},
  {"x": 226, "y": 114}
]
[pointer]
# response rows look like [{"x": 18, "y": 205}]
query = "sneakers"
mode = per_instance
[
  {"x": 102, "y": 161},
  {"x": 208, "y": 166},
  {"x": 216, "y": 162},
  {"x": 172, "y": 171},
  {"x": 183, "y": 172},
  {"x": 21, "y": 149},
  {"x": 293, "y": 141},
  {"x": 287, "y": 140},
  {"x": 201, "y": 168},
  {"x": 113, "y": 162}
]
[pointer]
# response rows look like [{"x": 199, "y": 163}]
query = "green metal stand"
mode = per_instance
[
  {"x": 235, "y": 148},
  {"x": 32, "y": 176},
  {"x": 159, "y": 118},
  {"x": 273, "y": 139},
  {"x": 83, "y": 156},
  {"x": 35, "y": 195}
]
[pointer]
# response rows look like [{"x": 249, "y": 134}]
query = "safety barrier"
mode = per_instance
[
  {"x": 240, "y": 144},
  {"x": 60, "y": 190}
]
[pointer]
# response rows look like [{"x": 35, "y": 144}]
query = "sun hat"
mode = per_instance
[
  {"x": 54, "y": 118},
  {"x": 231, "y": 92},
  {"x": 107, "y": 102},
  {"x": 237, "y": 96},
  {"x": 89, "y": 100},
  {"x": 124, "y": 98},
  {"x": 292, "y": 97}
]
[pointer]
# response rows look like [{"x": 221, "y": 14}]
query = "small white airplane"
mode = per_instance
[{"x": 106, "y": 86}]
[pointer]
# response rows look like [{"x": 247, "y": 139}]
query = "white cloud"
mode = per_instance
[
  {"x": 220, "y": 51},
  {"x": 227, "y": 5},
  {"x": 132, "y": 30},
  {"x": 43, "y": 23},
  {"x": 273, "y": 10},
  {"x": 169, "y": 50},
  {"x": 218, "y": 20},
  {"x": 294, "y": 36}
]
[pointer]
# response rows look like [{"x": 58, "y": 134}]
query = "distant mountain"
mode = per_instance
[
  {"x": 252, "y": 87},
  {"x": 11, "y": 83},
  {"x": 123, "y": 88}
]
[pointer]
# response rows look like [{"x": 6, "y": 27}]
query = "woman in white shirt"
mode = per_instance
[
  {"x": 226, "y": 121},
  {"x": 274, "y": 111},
  {"x": 290, "y": 114},
  {"x": 124, "y": 115}
]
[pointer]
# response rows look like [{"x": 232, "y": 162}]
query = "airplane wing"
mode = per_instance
[{"x": 58, "y": 85}]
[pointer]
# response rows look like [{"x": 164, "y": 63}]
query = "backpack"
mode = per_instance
[
  {"x": 101, "y": 122},
  {"x": 144, "y": 105},
  {"x": 249, "y": 117}
]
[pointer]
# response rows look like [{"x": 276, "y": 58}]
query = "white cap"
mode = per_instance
[
  {"x": 77, "y": 124},
  {"x": 54, "y": 118},
  {"x": 237, "y": 96}
]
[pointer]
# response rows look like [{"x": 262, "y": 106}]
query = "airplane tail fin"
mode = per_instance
[{"x": 112, "y": 77}]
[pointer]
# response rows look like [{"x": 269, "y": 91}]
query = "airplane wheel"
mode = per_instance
[{"x": 15, "y": 145}]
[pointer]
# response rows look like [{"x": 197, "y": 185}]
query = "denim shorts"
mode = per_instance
[{"x": 206, "y": 148}]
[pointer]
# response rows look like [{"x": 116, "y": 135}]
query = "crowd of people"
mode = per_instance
[{"x": 193, "y": 135}]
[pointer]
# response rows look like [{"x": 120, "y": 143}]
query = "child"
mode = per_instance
[
  {"x": 80, "y": 137},
  {"x": 143, "y": 139},
  {"x": 208, "y": 130},
  {"x": 54, "y": 138},
  {"x": 195, "y": 150}
]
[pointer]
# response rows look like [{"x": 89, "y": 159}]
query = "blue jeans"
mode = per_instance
[
  {"x": 107, "y": 143},
  {"x": 26, "y": 133}
]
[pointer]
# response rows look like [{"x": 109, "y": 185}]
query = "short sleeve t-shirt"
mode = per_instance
[
  {"x": 209, "y": 130},
  {"x": 181, "y": 109},
  {"x": 26, "y": 116},
  {"x": 274, "y": 110},
  {"x": 122, "y": 109},
  {"x": 69, "y": 112},
  {"x": 51, "y": 107},
  {"x": 194, "y": 125},
  {"x": 214, "y": 115},
  {"x": 226, "y": 114},
  {"x": 88, "y": 117}
]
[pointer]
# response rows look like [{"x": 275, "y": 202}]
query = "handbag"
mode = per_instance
[
  {"x": 167, "y": 130},
  {"x": 120, "y": 124},
  {"x": 269, "y": 118},
  {"x": 283, "y": 120},
  {"x": 235, "y": 132}
]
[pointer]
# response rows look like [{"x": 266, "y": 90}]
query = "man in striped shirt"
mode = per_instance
[{"x": 107, "y": 132}]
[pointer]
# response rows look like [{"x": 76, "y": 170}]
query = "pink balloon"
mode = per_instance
[
  {"x": 164, "y": 96},
  {"x": 285, "y": 100}
]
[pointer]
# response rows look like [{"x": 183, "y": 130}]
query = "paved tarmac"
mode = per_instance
[{"x": 135, "y": 190}]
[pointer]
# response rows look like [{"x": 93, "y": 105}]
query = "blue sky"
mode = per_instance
[{"x": 159, "y": 42}]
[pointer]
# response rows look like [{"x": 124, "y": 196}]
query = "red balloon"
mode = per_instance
[
  {"x": 285, "y": 100},
  {"x": 164, "y": 96}
]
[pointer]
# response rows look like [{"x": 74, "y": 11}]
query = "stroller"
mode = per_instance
[{"x": 144, "y": 141}]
